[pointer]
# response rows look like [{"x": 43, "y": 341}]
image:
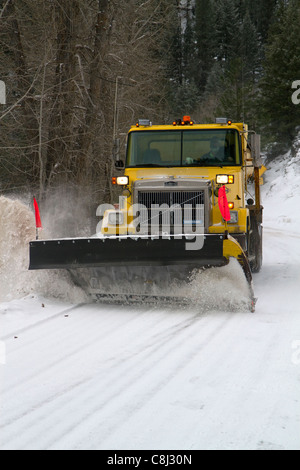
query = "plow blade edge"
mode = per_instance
[{"x": 84, "y": 253}]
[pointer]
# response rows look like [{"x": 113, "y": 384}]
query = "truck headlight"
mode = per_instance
[
  {"x": 123, "y": 180},
  {"x": 116, "y": 218},
  {"x": 225, "y": 179},
  {"x": 234, "y": 217}
]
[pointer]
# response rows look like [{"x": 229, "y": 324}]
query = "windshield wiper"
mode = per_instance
[
  {"x": 196, "y": 164},
  {"x": 148, "y": 165}
]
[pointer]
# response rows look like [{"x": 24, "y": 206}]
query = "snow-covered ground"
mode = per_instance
[{"x": 85, "y": 376}]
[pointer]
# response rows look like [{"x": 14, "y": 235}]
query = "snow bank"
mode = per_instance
[
  {"x": 17, "y": 229},
  {"x": 281, "y": 192}
]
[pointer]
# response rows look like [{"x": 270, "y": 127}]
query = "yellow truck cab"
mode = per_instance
[
  {"x": 186, "y": 164},
  {"x": 185, "y": 206}
]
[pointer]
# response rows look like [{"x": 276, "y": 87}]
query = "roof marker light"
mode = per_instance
[
  {"x": 144, "y": 123},
  {"x": 221, "y": 120}
]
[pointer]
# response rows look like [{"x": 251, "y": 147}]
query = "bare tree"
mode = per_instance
[{"x": 78, "y": 74}]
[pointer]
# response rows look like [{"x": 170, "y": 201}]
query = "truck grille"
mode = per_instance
[
  {"x": 188, "y": 210},
  {"x": 181, "y": 198}
]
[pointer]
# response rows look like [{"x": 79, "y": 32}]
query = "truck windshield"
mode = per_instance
[{"x": 213, "y": 147}]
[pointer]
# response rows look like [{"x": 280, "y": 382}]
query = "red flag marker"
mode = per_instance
[
  {"x": 38, "y": 221},
  {"x": 223, "y": 204}
]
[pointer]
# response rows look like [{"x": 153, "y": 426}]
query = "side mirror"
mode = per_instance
[
  {"x": 255, "y": 150},
  {"x": 116, "y": 149},
  {"x": 119, "y": 164}
]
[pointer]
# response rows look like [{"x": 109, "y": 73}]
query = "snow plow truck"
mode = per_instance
[{"x": 190, "y": 201}]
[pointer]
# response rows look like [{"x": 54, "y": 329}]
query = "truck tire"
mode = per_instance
[{"x": 255, "y": 245}]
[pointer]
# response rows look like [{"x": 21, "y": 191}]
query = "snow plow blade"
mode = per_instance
[
  {"x": 113, "y": 260},
  {"x": 125, "y": 251}
]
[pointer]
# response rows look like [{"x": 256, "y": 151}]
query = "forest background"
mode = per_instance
[{"x": 79, "y": 73}]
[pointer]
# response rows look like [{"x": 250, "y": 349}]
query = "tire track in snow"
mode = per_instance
[
  {"x": 117, "y": 382},
  {"x": 279, "y": 232},
  {"x": 47, "y": 369},
  {"x": 80, "y": 349},
  {"x": 121, "y": 412},
  {"x": 38, "y": 324},
  {"x": 120, "y": 381},
  {"x": 72, "y": 342}
]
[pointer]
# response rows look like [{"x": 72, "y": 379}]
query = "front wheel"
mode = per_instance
[{"x": 255, "y": 245}]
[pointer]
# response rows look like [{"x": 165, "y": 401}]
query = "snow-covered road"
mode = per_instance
[
  {"x": 83, "y": 376},
  {"x": 103, "y": 377}
]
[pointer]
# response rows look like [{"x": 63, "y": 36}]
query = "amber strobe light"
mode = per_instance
[{"x": 186, "y": 121}]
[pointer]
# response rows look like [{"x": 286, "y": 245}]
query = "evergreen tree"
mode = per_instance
[
  {"x": 188, "y": 49},
  {"x": 262, "y": 15},
  {"x": 249, "y": 49},
  {"x": 227, "y": 27},
  {"x": 183, "y": 67},
  {"x": 233, "y": 78},
  {"x": 281, "y": 69},
  {"x": 205, "y": 41}
]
